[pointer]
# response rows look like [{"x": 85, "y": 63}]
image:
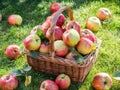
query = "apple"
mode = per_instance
[
  {"x": 48, "y": 85},
  {"x": 0, "y": 17},
  {"x": 71, "y": 37},
  {"x": 70, "y": 56},
  {"x": 104, "y": 13},
  {"x": 54, "y": 7},
  {"x": 13, "y": 51},
  {"x": 58, "y": 32},
  {"x": 32, "y": 42},
  {"x": 93, "y": 23},
  {"x": 73, "y": 24},
  {"x": 61, "y": 20},
  {"x": 102, "y": 81},
  {"x": 15, "y": 19},
  {"x": 85, "y": 46},
  {"x": 88, "y": 34},
  {"x": 8, "y": 82},
  {"x": 44, "y": 48},
  {"x": 60, "y": 48},
  {"x": 63, "y": 81},
  {"x": 49, "y": 20}
]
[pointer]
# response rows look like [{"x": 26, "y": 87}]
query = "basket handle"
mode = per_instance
[{"x": 54, "y": 20}]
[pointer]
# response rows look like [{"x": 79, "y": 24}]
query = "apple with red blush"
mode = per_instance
[
  {"x": 44, "y": 47},
  {"x": 61, "y": 20},
  {"x": 54, "y": 7}
]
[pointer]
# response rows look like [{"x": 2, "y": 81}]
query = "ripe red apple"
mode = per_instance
[
  {"x": 61, "y": 20},
  {"x": 8, "y": 82},
  {"x": 57, "y": 33},
  {"x": 49, "y": 20},
  {"x": 32, "y": 42},
  {"x": 63, "y": 81},
  {"x": 71, "y": 37},
  {"x": 93, "y": 23},
  {"x": 102, "y": 81},
  {"x": 88, "y": 34},
  {"x": 44, "y": 48},
  {"x": 85, "y": 46},
  {"x": 73, "y": 24},
  {"x": 60, "y": 48},
  {"x": 104, "y": 13},
  {"x": 15, "y": 19},
  {"x": 48, "y": 85},
  {"x": 54, "y": 7},
  {"x": 0, "y": 17},
  {"x": 13, "y": 51}
]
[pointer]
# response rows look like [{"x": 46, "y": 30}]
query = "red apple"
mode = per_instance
[
  {"x": 32, "y": 42},
  {"x": 93, "y": 23},
  {"x": 63, "y": 81},
  {"x": 48, "y": 85},
  {"x": 88, "y": 34},
  {"x": 71, "y": 37},
  {"x": 8, "y": 82},
  {"x": 44, "y": 48},
  {"x": 61, "y": 20},
  {"x": 73, "y": 24},
  {"x": 15, "y": 19},
  {"x": 57, "y": 33},
  {"x": 102, "y": 81},
  {"x": 13, "y": 51},
  {"x": 85, "y": 46},
  {"x": 60, "y": 48},
  {"x": 0, "y": 17},
  {"x": 104, "y": 13},
  {"x": 54, "y": 7},
  {"x": 70, "y": 56},
  {"x": 49, "y": 20}
]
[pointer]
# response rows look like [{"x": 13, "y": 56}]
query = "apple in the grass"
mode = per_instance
[
  {"x": 58, "y": 32},
  {"x": 85, "y": 46},
  {"x": 48, "y": 85},
  {"x": 32, "y": 42},
  {"x": 88, "y": 34},
  {"x": 15, "y": 19},
  {"x": 63, "y": 81},
  {"x": 73, "y": 24},
  {"x": 8, "y": 82},
  {"x": 71, "y": 37},
  {"x": 102, "y": 81},
  {"x": 0, "y": 17},
  {"x": 93, "y": 23},
  {"x": 104, "y": 13},
  {"x": 60, "y": 48},
  {"x": 13, "y": 51},
  {"x": 61, "y": 20},
  {"x": 44, "y": 47},
  {"x": 54, "y": 7}
]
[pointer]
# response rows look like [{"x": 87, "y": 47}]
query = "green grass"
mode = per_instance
[{"x": 35, "y": 12}]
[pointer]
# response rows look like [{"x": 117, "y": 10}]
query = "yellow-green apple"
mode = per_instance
[
  {"x": 102, "y": 81},
  {"x": 85, "y": 46},
  {"x": 8, "y": 82},
  {"x": 88, "y": 34},
  {"x": 0, "y": 17},
  {"x": 71, "y": 37},
  {"x": 13, "y": 51},
  {"x": 60, "y": 48},
  {"x": 61, "y": 20},
  {"x": 93, "y": 23},
  {"x": 15, "y": 19},
  {"x": 63, "y": 81},
  {"x": 57, "y": 34},
  {"x": 70, "y": 56},
  {"x": 44, "y": 48},
  {"x": 32, "y": 42},
  {"x": 54, "y": 7},
  {"x": 73, "y": 24},
  {"x": 48, "y": 85},
  {"x": 104, "y": 13}
]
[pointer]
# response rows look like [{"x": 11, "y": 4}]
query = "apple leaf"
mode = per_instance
[
  {"x": 34, "y": 54},
  {"x": 73, "y": 87},
  {"x": 40, "y": 34},
  {"x": 79, "y": 58},
  {"x": 17, "y": 72},
  {"x": 28, "y": 68},
  {"x": 117, "y": 75},
  {"x": 27, "y": 80}
]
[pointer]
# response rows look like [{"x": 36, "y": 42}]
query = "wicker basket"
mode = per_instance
[{"x": 56, "y": 65}]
